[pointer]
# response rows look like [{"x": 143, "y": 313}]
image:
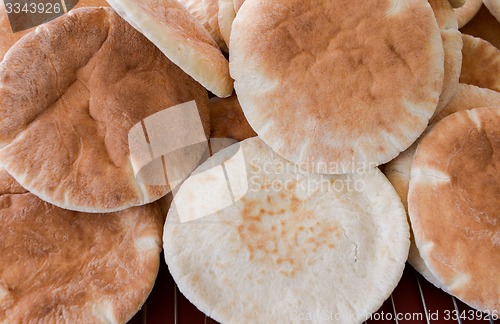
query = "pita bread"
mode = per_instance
[
  {"x": 65, "y": 119},
  {"x": 481, "y": 63},
  {"x": 238, "y": 4},
  {"x": 453, "y": 197},
  {"x": 206, "y": 13},
  {"x": 278, "y": 252},
  {"x": 8, "y": 38},
  {"x": 457, "y": 3},
  {"x": 398, "y": 170},
  {"x": 340, "y": 85},
  {"x": 170, "y": 27},
  {"x": 484, "y": 26},
  {"x": 468, "y": 97},
  {"x": 62, "y": 266},
  {"x": 494, "y": 7},
  {"x": 226, "y": 18},
  {"x": 227, "y": 119},
  {"x": 452, "y": 44},
  {"x": 467, "y": 11}
]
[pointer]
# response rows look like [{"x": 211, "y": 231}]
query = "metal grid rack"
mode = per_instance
[{"x": 414, "y": 296}]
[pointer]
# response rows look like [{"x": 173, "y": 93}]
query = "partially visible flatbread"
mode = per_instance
[
  {"x": 452, "y": 45},
  {"x": 457, "y": 3},
  {"x": 480, "y": 63},
  {"x": 467, "y": 11},
  {"x": 398, "y": 171},
  {"x": 8, "y": 38},
  {"x": 453, "y": 205},
  {"x": 484, "y": 26},
  {"x": 62, "y": 266},
  {"x": 238, "y": 4},
  {"x": 226, "y": 18},
  {"x": 65, "y": 119},
  {"x": 340, "y": 85},
  {"x": 227, "y": 119},
  {"x": 185, "y": 42},
  {"x": 494, "y": 7},
  {"x": 314, "y": 244}
]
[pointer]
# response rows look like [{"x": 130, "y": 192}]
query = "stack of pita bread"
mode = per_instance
[{"x": 284, "y": 213}]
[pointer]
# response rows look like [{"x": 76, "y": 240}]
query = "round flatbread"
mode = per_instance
[
  {"x": 328, "y": 85},
  {"x": 226, "y": 18},
  {"x": 185, "y": 42},
  {"x": 62, "y": 266},
  {"x": 70, "y": 95},
  {"x": 8, "y": 38},
  {"x": 484, "y": 26},
  {"x": 452, "y": 45},
  {"x": 206, "y": 13},
  {"x": 480, "y": 64},
  {"x": 467, "y": 11},
  {"x": 453, "y": 205},
  {"x": 398, "y": 170},
  {"x": 227, "y": 119},
  {"x": 294, "y": 243},
  {"x": 494, "y": 7}
]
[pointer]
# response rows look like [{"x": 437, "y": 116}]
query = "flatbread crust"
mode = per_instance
[
  {"x": 398, "y": 170},
  {"x": 62, "y": 266},
  {"x": 467, "y": 11},
  {"x": 494, "y": 7},
  {"x": 452, "y": 45},
  {"x": 330, "y": 84},
  {"x": 206, "y": 12},
  {"x": 65, "y": 118},
  {"x": 276, "y": 253},
  {"x": 480, "y": 64},
  {"x": 8, "y": 38},
  {"x": 238, "y": 4},
  {"x": 185, "y": 42},
  {"x": 453, "y": 197},
  {"x": 227, "y": 119},
  {"x": 457, "y": 3},
  {"x": 484, "y": 26},
  {"x": 226, "y": 17}
]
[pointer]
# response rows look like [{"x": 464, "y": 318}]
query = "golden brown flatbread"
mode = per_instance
[
  {"x": 227, "y": 119},
  {"x": 65, "y": 118},
  {"x": 480, "y": 63},
  {"x": 331, "y": 84},
  {"x": 8, "y": 38},
  {"x": 453, "y": 205},
  {"x": 62, "y": 266},
  {"x": 484, "y": 26},
  {"x": 467, "y": 11}
]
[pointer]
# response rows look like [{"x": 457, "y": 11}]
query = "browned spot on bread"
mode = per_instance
[{"x": 285, "y": 238}]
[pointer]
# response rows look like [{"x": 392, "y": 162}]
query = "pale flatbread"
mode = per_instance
[
  {"x": 315, "y": 244},
  {"x": 480, "y": 64},
  {"x": 494, "y": 7},
  {"x": 65, "y": 118},
  {"x": 8, "y": 38},
  {"x": 452, "y": 45},
  {"x": 206, "y": 13},
  {"x": 398, "y": 171},
  {"x": 226, "y": 18},
  {"x": 453, "y": 205},
  {"x": 227, "y": 119},
  {"x": 331, "y": 84},
  {"x": 484, "y": 26},
  {"x": 467, "y": 11},
  {"x": 62, "y": 266},
  {"x": 185, "y": 42}
]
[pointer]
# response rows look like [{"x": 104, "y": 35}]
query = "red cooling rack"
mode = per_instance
[{"x": 413, "y": 298}]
